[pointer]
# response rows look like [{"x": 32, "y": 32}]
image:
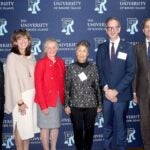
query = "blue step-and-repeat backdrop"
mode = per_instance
[{"x": 70, "y": 21}]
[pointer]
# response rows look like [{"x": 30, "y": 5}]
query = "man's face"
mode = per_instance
[
  {"x": 113, "y": 29},
  {"x": 146, "y": 29}
]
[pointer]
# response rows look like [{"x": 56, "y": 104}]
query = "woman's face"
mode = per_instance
[
  {"x": 22, "y": 43},
  {"x": 82, "y": 53},
  {"x": 51, "y": 49}
]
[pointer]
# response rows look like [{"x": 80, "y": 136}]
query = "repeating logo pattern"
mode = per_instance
[
  {"x": 98, "y": 40},
  {"x": 132, "y": 25},
  {"x": 100, "y": 6},
  {"x": 131, "y": 135},
  {"x": 132, "y": 104},
  {"x": 8, "y": 141},
  {"x": 67, "y": 26},
  {"x": 99, "y": 120},
  {"x": 33, "y": 6},
  {"x": 3, "y": 24},
  {"x": 69, "y": 138},
  {"x": 36, "y": 43}
]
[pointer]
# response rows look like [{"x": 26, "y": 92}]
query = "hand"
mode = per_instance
[
  {"x": 22, "y": 109},
  {"x": 45, "y": 111},
  {"x": 105, "y": 88},
  {"x": 99, "y": 110},
  {"x": 111, "y": 94},
  {"x": 68, "y": 110},
  {"x": 135, "y": 99}
]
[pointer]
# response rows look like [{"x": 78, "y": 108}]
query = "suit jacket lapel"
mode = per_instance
[
  {"x": 107, "y": 53},
  {"x": 119, "y": 48}
]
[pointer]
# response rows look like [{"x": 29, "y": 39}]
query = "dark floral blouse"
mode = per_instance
[{"x": 82, "y": 86}]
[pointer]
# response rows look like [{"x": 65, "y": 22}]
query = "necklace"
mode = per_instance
[{"x": 27, "y": 65}]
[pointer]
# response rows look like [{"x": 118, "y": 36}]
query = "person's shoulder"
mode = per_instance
[
  {"x": 59, "y": 59},
  {"x": 12, "y": 56},
  {"x": 126, "y": 46},
  {"x": 41, "y": 61},
  {"x": 92, "y": 65},
  {"x": 31, "y": 56},
  {"x": 104, "y": 44},
  {"x": 125, "y": 43},
  {"x": 71, "y": 66},
  {"x": 140, "y": 44}
]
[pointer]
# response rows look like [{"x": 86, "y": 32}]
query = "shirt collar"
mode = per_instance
[
  {"x": 116, "y": 42},
  {"x": 147, "y": 42}
]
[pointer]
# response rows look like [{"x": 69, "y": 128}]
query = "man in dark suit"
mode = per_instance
[
  {"x": 1, "y": 101},
  {"x": 116, "y": 64},
  {"x": 142, "y": 83}
]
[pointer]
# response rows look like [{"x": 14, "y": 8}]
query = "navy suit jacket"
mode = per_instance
[{"x": 119, "y": 74}]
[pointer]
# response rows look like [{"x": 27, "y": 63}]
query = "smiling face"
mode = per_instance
[
  {"x": 146, "y": 29},
  {"x": 113, "y": 29},
  {"x": 22, "y": 43},
  {"x": 82, "y": 53},
  {"x": 50, "y": 48}
]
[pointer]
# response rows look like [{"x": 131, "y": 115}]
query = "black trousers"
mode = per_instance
[{"x": 83, "y": 120}]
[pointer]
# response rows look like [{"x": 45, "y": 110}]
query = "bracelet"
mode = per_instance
[{"x": 20, "y": 104}]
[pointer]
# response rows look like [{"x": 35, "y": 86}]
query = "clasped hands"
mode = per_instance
[{"x": 111, "y": 94}]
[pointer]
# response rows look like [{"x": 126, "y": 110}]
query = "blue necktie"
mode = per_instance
[
  {"x": 112, "y": 55},
  {"x": 149, "y": 52}
]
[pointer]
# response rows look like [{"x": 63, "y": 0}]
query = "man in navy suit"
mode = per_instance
[{"x": 116, "y": 65}]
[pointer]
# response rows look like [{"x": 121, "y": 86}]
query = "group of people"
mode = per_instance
[{"x": 35, "y": 92}]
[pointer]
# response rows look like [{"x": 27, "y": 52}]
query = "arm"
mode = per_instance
[
  {"x": 97, "y": 89},
  {"x": 99, "y": 64},
  {"x": 135, "y": 79},
  {"x": 12, "y": 93},
  {"x": 130, "y": 71},
  {"x": 67, "y": 87},
  {"x": 67, "y": 91},
  {"x": 39, "y": 84}
]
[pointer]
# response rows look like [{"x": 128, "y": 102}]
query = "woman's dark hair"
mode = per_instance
[
  {"x": 83, "y": 43},
  {"x": 16, "y": 35}
]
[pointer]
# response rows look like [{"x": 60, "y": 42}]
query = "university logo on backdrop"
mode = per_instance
[
  {"x": 33, "y": 6},
  {"x": 98, "y": 40},
  {"x": 3, "y": 24},
  {"x": 68, "y": 61},
  {"x": 100, "y": 6},
  {"x": 132, "y": 104},
  {"x": 67, "y": 26},
  {"x": 8, "y": 141},
  {"x": 36, "y": 43},
  {"x": 99, "y": 120},
  {"x": 132, "y": 25},
  {"x": 131, "y": 135},
  {"x": 69, "y": 138}
]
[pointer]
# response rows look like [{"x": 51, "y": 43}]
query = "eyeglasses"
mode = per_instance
[{"x": 112, "y": 28}]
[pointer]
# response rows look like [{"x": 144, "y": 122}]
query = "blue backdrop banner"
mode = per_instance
[{"x": 70, "y": 21}]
